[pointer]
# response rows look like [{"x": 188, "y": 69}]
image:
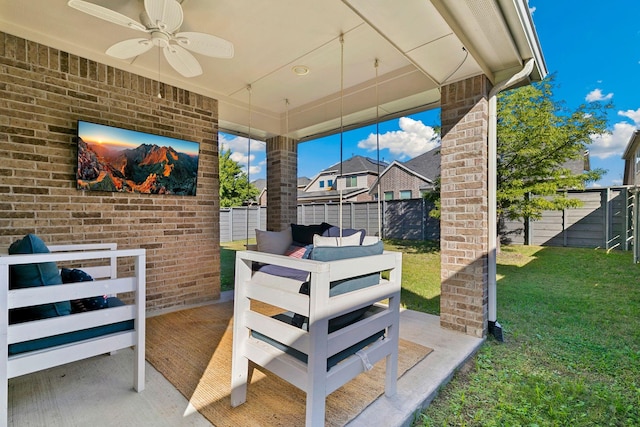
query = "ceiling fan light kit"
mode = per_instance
[{"x": 161, "y": 20}]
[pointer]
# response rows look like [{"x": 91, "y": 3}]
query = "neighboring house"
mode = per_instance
[
  {"x": 631, "y": 158},
  {"x": 358, "y": 175},
  {"x": 579, "y": 165},
  {"x": 410, "y": 179},
  {"x": 261, "y": 184}
]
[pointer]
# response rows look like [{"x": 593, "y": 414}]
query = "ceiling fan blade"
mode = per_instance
[
  {"x": 205, "y": 44},
  {"x": 106, "y": 14},
  {"x": 182, "y": 61},
  {"x": 129, "y": 48},
  {"x": 166, "y": 14}
]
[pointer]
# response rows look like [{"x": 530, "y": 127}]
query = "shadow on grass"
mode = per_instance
[
  {"x": 416, "y": 302},
  {"x": 414, "y": 246}
]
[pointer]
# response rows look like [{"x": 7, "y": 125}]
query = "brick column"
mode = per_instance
[
  {"x": 282, "y": 182},
  {"x": 464, "y": 208}
]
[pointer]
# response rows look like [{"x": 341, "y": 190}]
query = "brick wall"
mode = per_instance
[
  {"x": 43, "y": 92},
  {"x": 282, "y": 179},
  {"x": 397, "y": 179},
  {"x": 464, "y": 207}
]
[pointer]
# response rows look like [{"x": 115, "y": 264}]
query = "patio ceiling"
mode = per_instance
[{"x": 420, "y": 44}]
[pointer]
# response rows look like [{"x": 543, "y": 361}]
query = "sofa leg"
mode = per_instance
[
  {"x": 316, "y": 401},
  {"x": 239, "y": 380}
]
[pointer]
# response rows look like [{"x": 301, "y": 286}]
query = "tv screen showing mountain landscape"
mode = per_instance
[{"x": 115, "y": 159}]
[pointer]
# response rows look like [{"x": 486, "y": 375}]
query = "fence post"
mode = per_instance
[
  {"x": 636, "y": 223},
  {"x": 628, "y": 205},
  {"x": 384, "y": 218},
  {"x": 604, "y": 202},
  {"x": 424, "y": 219},
  {"x": 353, "y": 214}
]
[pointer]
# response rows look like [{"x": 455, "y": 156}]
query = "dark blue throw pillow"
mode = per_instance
[
  {"x": 85, "y": 304},
  {"x": 303, "y": 234},
  {"x": 33, "y": 275},
  {"x": 346, "y": 232}
]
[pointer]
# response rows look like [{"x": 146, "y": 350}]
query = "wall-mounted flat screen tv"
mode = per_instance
[{"x": 115, "y": 159}]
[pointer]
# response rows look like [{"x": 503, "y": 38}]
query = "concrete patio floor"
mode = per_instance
[{"x": 98, "y": 392}]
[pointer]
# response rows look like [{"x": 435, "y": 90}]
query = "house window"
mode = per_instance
[
  {"x": 321, "y": 184},
  {"x": 352, "y": 181},
  {"x": 388, "y": 195},
  {"x": 637, "y": 165},
  {"x": 405, "y": 194},
  {"x": 330, "y": 183}
]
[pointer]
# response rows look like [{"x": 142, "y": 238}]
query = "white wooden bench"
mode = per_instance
[
  {"x": 103, "y": 260},
  {"x": 317, "y": 343}
]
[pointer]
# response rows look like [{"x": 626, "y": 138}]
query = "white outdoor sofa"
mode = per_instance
[
  {"x": 318, "y": 358},
  {"x": 31, "y": 346}
]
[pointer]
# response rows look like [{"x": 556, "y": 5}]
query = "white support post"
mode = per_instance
[
  {"x": 317, "y": 356},
  {"x": 393, "y": 332},
  {"x": 4, "y": 345},
  {"x": 239, "y": 363},
  {"x": 140, "y": 323}
]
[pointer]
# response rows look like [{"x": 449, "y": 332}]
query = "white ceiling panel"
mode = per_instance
[{"x": 418, "y": 43}]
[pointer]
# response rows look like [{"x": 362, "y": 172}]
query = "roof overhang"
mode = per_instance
[{"x": 421, "y": 45}]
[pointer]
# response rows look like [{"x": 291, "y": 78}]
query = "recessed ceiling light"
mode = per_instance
[{"x": 300, "y": 70}]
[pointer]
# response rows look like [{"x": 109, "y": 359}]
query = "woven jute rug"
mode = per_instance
[{"x": 192, "y": 349}]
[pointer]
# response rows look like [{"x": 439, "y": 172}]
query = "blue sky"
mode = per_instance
[
  {"x": 128, "y": 139},
  {"x": 593, "y": 47}
]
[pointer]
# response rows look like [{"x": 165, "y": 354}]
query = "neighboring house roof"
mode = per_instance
[
  {"x": 260, "y": 184},
  {"x": 579, "y": 165},
  {"x": 303, "y": 181},
  {"x": 356, "y": 164},
  {"x": 426, "y": 164},
  {"x": 328, "y": 195}
]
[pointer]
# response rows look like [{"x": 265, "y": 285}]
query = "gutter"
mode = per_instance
[{"x": 494, "y": 327}]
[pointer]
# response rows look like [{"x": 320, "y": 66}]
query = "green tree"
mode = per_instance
[
  {"x": 235, "y": 189},
  {"x": 536, "y": 136}
]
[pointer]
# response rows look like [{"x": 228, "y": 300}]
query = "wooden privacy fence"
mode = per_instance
[
  {"x": 400, "y": 219},
  {"x": 603, "y": 221}
]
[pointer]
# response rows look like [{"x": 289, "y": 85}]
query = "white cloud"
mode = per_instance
[
  {"x": 412, "y": 139},
  {"x": 611, "y": 144},
  {"x": 632, "y": 114},
  {"x": 239, "y": 151},
  {"x": 596, "y": 95},
  {"x": 241, "y": 157},
  {"x": 239, "y": 143}
]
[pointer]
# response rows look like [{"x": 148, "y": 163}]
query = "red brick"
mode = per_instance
[{"x": 49, "y": 91}]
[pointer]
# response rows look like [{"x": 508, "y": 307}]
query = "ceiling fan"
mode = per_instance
[{"x": 161, "y": 19}]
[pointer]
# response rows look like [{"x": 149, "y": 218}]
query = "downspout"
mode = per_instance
[{"x": 494, "y": 327}]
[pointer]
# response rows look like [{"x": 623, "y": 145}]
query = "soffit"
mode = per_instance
[{"x": 419, "y": 45}]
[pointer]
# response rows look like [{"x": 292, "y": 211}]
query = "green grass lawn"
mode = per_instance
[
  {"x": 228, "y": 262},
  {"x": 571, "y": 321},
  {"x": 571, "y": 355}
]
